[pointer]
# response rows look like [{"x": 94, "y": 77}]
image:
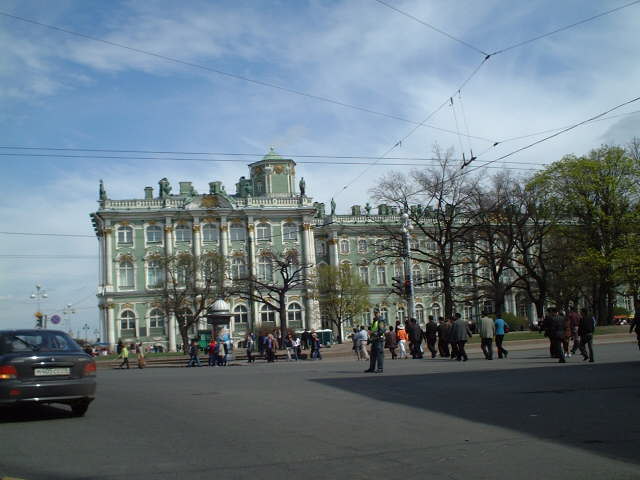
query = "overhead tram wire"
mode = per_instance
[
  {"x": 566, "y": 27},
  {"x": 413, "y": 130},
  {"x": 214, "y": 70},
  {"x": 428, "y": 25},
  {"x": 210, "y": 160}
]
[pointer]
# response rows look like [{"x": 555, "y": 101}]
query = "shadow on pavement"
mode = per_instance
[
  {"x": 33, "y": 413},
  {"x": 590, "y": 406}
]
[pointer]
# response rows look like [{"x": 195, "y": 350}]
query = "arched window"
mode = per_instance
[
  {"x": 290, "y": 232},
  {"x": 434, "y": 280},
  {"x": 240, "y": 317},
  {"x": 237, "y": 232},
  {"x": 419, "y": 313},
  {"x": 263, "y": 232},
  {"x": 268, "y": 315},
  {"x": 125, "y": 274},
  {"x": 154, "y": 274},
  {"x": 381, "y": 272},
  {"x": 401, "y": 314},
  {"x": 125, "y": 235},
  {"x": 467, "y": 312},
  {"x": 154, "y": 234},
  {"x": 183, "y": 270},
  {"x": 265, "y": 269},
  {"x": 344, "y": 246},
  {"x": 435, "y": 310},
  {"x": 294, "y": 315},
  {"x": 183, "y": 233},
  {"x": 321, "y": 248},
  {"x": 127, "y": 320},
  {"x": 384, "y": 314},
  {"x": 238, "y": 268},
  {"x": 362, "y": 246},
  {"x": 156, "y": 318},
  {"x": 210, "y": 232},
  {"x": 398, "y": 270}
]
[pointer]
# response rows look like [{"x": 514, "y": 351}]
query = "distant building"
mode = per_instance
[{"x": 268, "y": 208}]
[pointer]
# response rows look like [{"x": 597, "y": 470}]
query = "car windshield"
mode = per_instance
[{"x": 37, "y": 341}]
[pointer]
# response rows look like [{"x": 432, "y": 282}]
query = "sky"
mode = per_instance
[{"x": 220, "y": 76}]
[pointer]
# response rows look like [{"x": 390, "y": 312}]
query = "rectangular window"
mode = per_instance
[
  {"x": 364, "y": 274},
  {"x": 382, "y": 275},
  {"x": 237, "y": 233}
]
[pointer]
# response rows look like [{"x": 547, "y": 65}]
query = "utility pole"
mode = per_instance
[
  {"x": 39, "y": 295},
  {"x": 86, "y": 329},
  {"x": 408, "y": 271},
  {"x": 67, "y": 312}
]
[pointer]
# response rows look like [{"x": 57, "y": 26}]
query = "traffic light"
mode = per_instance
[
  {"x": 407, "y": 288},
  {"x": 397, "y": 286},
  {"x": 39, "y": 320}
]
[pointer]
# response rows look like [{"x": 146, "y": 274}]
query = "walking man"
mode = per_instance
[
  {"x": 443, "y": 334},
  {"x": 585, "y": 330},
  {"x": 415, "y": 337},
  {"x": 390, "y": 342},
  {"x": 487, "y": 332},
  {"x": 556, "y": 333},
  {"x": 124, "y": 354},
  {"x": 194, "y": 361},
  {"x": 574, "y": 319},
  {"x": 431, "y": 335},
  {"x": 635, "y": 325},
  {"x": 376, "y": 362},
  {"x": 502, "y": 328},
  {"x": 363, "y": 339},
  {"x": 460, "y": 333}
]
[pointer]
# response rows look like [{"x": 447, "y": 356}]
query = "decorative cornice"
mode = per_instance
[
  {"x": 224, "y": 228},
  {"x": 306, "y": 226},
  {"x": 332, "y": 241},
  {"x": 196, "y": 228},
  {"x": 251, "y": 227},
  {"x": 107, "y": 231}
]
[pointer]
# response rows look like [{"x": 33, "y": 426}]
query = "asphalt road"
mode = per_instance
[{"x": 525, "y": 417}]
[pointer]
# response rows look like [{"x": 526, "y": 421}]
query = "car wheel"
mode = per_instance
[{"x": 80, "y": 407}]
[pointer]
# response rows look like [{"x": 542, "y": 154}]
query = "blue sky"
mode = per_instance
[{"x": 60, "y": 90}]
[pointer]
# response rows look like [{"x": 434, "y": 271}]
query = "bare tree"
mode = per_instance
[
  {"x": 189, "y": 286},
  {"x": 439, "y": 202},
  {"x": 278, "y": 274}
]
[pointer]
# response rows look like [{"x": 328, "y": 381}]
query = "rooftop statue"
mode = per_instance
[
  {"x": 302, "y": 187},
  {"x": 333, "y": 207},
  {"x": 165, "y": 188},
  {"x": 367, "y": 207},
  {"x": 102, "y": 193}
]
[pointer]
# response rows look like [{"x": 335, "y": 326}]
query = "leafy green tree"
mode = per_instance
[
  {"x": 343, "y": 295},
  {"x": 596, "y": 194}
]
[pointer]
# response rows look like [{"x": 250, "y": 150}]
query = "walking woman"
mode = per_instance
[
  {"x": 402, "y": 338},
  {"x": 212, "y": 353},
  {"x": 249, "y": 343},
  {"x": 315, "y": 347}
]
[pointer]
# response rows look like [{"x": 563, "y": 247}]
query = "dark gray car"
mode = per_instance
[{"x": 45, "y": 366}]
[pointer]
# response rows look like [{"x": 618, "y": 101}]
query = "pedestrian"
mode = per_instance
[
  {"x": 228, "y": 351},
  {"x": 567, "y": 336},
  {"x": 211, "y": 351},
  {"x": 124, "y": 354},
  {"x": 119, "y": 346},
  {"x": 443, "y": 334},
  {"x": 249, "y": 343},
  {"x": 402, "y": 338},
  {"x": 140, "y": 355},
  {"x": 453, "y": 343},
  {"x": 363, "y": 338},
  {"x": 194, "y": 360},
  {"x": 460, "y": 333},
  {"x": 635, "y": 325},
  {"x": 377, "y": 339},
  {"x": 220, "y": 355},
  {"x": 270, "y": 348},
  {"x": 261, "y": 343},
  {"x": 305, "y": 339},
  {"x": 390, "y": 342},
  {"x": 415, "y": 337},
  {"x": 502, "y": 328},
  {"x": 556, "y": 333},
  {"x": 431, "y": 335},
  {"x": 296, "y": 347},
  {"x": 354, "y": 340},
  {"x": 574, "y": 319},
  {"x": 585, "y": 331},
  {"x": 487, "y": 332},
  {"x": 315, "y": 347},
  {"x": 288, "y": 345}
]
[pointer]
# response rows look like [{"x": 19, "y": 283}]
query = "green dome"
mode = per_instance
[{"x": 272, "y": 155}]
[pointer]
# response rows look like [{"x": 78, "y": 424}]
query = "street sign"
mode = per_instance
[{"x": 55, "y": 319}]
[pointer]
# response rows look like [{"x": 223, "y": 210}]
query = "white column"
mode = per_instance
[
  {"x": 333, "y": 250},
  {"x": 111, "y": 332},
  {"x": 197, "y": 243},
  {"x": 168, "y": 237},
  {"x": 224, "y": 237},
  {"x": 108, "y": 261},
  {"x": 172, "y": 333}
]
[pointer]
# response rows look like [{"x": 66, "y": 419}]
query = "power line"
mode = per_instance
[
  {"x": 566, "y": 27},
  {"x": 47, "y": 234},
  {"x": 485, "y": 165},
  {"x": 428, "y": 25},
  {"x": 413, "y": 130},
  {"x": 215, "y": 70},
  {"x": 226, "y": 160}
]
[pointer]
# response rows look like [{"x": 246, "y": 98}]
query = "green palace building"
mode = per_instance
[{"x": 269, "y": 211}]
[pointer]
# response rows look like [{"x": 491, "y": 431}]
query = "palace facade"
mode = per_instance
[{"x": 268, "y": 211}]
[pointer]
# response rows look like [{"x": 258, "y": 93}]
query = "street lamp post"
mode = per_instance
[
  {"x": 86, "y": 329},
  {"x": 408, "y": 272},
  {"x": 39, "y": 295},
  {"x": 67, "y": 312}
]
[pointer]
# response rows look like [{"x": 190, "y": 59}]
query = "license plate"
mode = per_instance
[{"x": 46, "y": 372}]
